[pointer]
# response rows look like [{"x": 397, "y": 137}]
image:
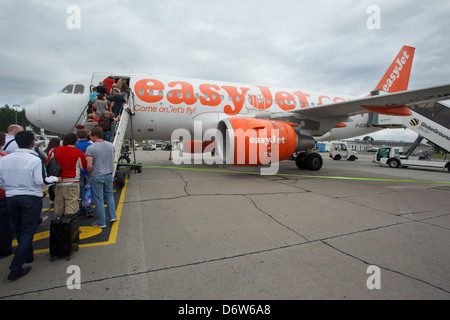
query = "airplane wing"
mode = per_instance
[{"x": 391, "y": 103}]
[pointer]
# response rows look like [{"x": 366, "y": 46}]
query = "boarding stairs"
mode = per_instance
[
  {"x": 124, "y": 125},
  {"x": 121, "y": 128},
  {"x": 430, "y": 120}
]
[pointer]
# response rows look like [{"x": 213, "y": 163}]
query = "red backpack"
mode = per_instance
[{"x": 104, "y": 123}]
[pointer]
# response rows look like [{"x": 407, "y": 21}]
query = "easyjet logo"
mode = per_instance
[
  {"x": 211, "y": 94},
  {"x": 266, "y": 141},
  {"x": 401, "y": 61}
]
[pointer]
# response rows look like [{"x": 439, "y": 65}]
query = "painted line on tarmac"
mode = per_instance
[
  {"x": 290, "y": 175},
  {"x": 87, "y": 231}
]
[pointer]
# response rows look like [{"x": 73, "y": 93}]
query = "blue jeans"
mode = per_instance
[
  {"x": 107, "y": 135},
  {"x": 84, "y": 180},
  {"x": 5, "y": 229},
  {"x": 25, "y": 214},
  {"x": 102, "y": 188}
]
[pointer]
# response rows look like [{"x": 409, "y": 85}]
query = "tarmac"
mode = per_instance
[{"x": 353, "y": 230}]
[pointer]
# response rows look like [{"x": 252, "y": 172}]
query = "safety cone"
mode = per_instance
[{"x": 170, "y": 155}]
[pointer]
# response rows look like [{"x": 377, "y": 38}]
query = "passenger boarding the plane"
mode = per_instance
[
  {"x": 91, "y": 107},
  {"x": 109, "y": 83},
  {"x": 93, "y": 95},
  {"x": 117, "y": 101},
  {"x": 101, "y": 105},
  {"x": 114, "y": 86},
  {"x": 123, "y": 87},
  {"x": 114, "y": 122},
  {"x": 101, "y": 88},
  {"x": 89, "y": 123}
]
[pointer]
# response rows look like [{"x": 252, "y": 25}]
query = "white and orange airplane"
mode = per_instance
[{"x": 251, "y": 124}]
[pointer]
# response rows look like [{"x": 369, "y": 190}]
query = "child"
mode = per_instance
[{"x": 93, "y": 95}]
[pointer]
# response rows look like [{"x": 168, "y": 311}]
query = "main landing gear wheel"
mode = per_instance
[
  {"x": 300, "y": 160},
  {"x": 312, "y": 161}
]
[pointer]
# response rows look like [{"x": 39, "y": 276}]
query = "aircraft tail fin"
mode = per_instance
[{"x": 396, "y": 77}]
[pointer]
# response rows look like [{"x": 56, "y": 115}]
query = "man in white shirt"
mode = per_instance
[
  {"x": 22, "y": 176},
  {"x": 10, "y": 144}
]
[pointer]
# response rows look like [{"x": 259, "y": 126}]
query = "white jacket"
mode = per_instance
[{"x": 23, "y": 173}]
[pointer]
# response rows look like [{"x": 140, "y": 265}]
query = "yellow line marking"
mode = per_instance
[{"x": 87, "y": 231}]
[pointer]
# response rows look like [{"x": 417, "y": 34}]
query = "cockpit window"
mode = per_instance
[
  {"x": 79, "y": 89},
  {"x": 68, "y": 89}
]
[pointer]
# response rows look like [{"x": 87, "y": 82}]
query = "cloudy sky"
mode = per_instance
[{"x": 318, "y": 45}]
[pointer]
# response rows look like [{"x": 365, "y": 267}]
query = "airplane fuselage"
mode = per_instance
[{"x": 162, "y": 104}]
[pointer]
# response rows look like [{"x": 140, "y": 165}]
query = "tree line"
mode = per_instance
[{"x": 8, "y": 116}]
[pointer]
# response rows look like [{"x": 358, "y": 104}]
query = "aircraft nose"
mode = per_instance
[{"x": 32, "y": 113}]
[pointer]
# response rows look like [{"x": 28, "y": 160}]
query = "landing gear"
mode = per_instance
[{"x": 311, "y": 161}]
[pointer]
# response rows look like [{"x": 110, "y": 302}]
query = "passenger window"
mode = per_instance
[
  {"x": 68, "y": 89},
  {"x": 79, "y": 89}
]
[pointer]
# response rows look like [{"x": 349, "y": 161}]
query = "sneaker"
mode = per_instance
[
  {"x": 14, "y": 275},
  {"x": 95, "y": 225},
  {"x": 43, "y": 219},
  {"x": 114, "y": 220}
]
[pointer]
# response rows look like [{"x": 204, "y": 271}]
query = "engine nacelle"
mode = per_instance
[{"x": 249, "y": 141}]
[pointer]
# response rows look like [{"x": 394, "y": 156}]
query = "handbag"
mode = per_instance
[
  {"x": 87, "y": 199},
  {"x": 53, "y": 168}
]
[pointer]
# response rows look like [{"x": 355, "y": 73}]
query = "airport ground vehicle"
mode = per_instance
[
  {"x": 341, "y": 151},
  {"x": 150, "y": 145},
  {"x": 166, "y": 145},
  {"x": 391, "y": 156}
]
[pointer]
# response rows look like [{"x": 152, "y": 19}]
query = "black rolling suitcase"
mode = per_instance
[{"x": 64, "y": 236}]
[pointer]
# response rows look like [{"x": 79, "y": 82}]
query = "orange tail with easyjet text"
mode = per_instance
[{"x": 397, "y": 76}]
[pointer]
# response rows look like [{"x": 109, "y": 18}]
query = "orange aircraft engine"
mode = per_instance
[{"x": 248, "y": 141}]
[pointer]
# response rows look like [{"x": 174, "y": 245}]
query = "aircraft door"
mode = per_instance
[{"x": 99, "y": 76}]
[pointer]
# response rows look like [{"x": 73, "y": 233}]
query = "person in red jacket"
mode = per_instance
[
  {"x": 109, "y": 82},
  {"x": 71, "y": 160}
]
